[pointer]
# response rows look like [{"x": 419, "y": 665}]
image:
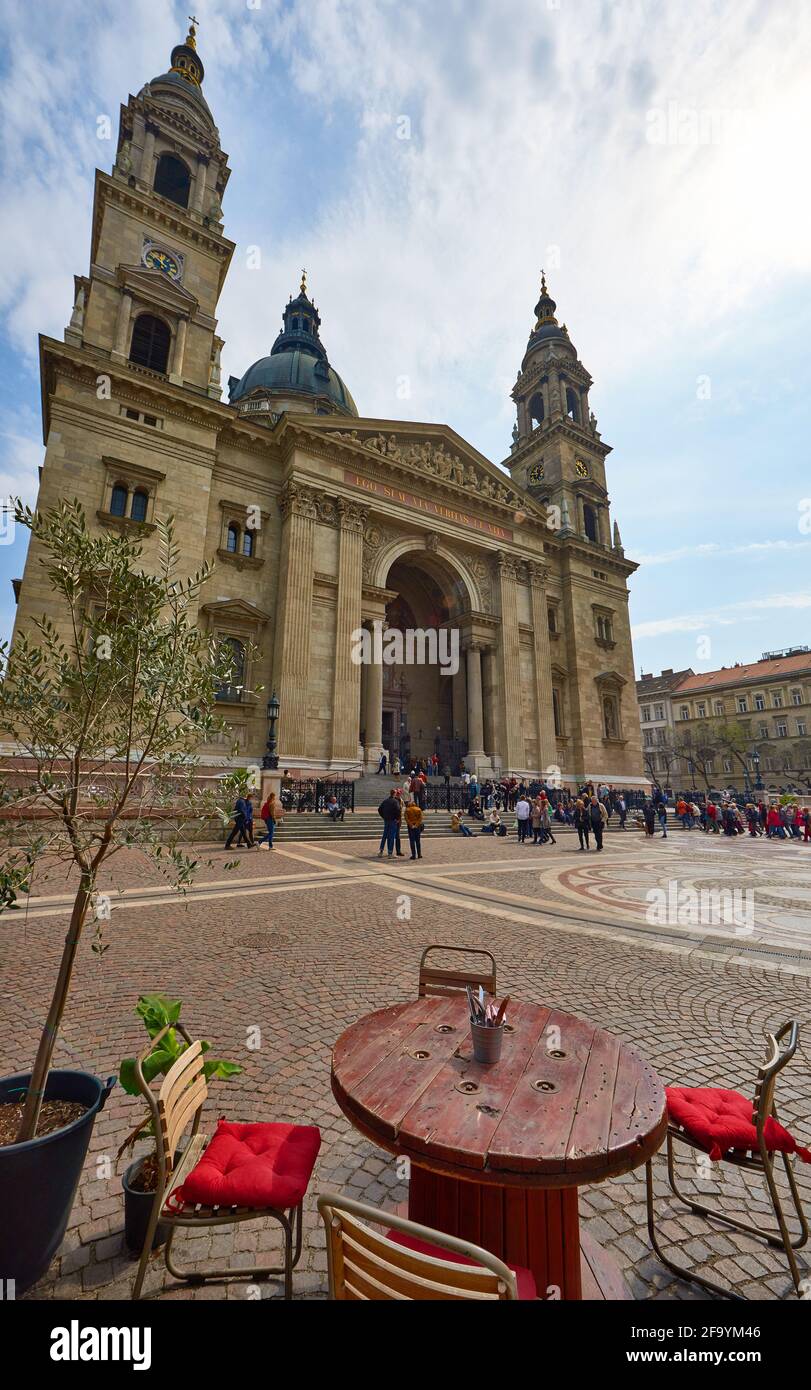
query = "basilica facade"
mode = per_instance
[{"x": 320, "y": 521}]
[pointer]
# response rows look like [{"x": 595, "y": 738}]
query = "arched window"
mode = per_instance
[
  {"x": 150, "y": 343},
  {"x": 140, "y": 501},
  {"x": 247, "y": 542},
  {"x": 557, "y": 712},
  {"x": 295, "y": 323},
  {"x": 232, "y": 539},
  {"x": 536, "y": 409},
  {"x": 572, "y": 404},
  {"x": 590, "y": 522},
  {"x": 118, "y": 500},
  {"x": 234, "y": 653},
  {"x": 173, "y": 180}
]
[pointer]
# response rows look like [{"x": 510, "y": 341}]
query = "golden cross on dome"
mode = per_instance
[
  {"x": 543, "y": 282},
  {"x": 303, "y": 285},
  {"x": 190, "y": 38}
]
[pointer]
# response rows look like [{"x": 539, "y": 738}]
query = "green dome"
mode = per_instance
[{"x": 293, "y": 371}]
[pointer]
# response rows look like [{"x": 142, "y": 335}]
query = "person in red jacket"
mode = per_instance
[{"x": 774, "y": 825}]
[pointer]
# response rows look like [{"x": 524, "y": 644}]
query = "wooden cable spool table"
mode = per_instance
[{"x": 498, "y": 1152}]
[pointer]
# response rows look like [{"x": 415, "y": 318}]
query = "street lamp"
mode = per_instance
[
  {"x": 756, "y": 766},
  {"x": 271, "y": 760}
]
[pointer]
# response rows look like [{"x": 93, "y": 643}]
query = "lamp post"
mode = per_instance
[
  {"x": 756, "y": 766},
  {"x": 271, "y": 760}
]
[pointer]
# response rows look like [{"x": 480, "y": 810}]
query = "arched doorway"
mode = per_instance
[{"x": 422, "y": 688}]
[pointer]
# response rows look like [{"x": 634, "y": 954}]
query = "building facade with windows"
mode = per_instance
[
  {"x": 656, "y": 722},
  {"x": 321, "y": 521},
  {"x": 766, "y": 705}
]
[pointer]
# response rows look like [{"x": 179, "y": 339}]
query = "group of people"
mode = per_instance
[
  {"x": 242, "y": 831},
  {"x": 400, "y": 804},
  {"x": 788, "y": 821}
]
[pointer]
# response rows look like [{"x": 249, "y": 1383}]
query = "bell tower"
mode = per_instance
[
  {"x": 557, "y": 453},
  {"x": 158, "y": 255}
]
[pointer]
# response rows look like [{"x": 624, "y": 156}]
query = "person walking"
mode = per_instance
[
  {"x": 649, "y": 817},
  {"x": 582, "y": 823},
  {"x": 522, "y": 816},
  {"x": 598, "y": 817},
  {"x": 414, "y": 821},
  {"x": 389, "y": 809},
  {"x": 535, "y": 820},
  {"x": 622, "y": 810},
  {"x": 546, "y": 821},
  {"x": 381, "y": 767},
  {"x": 240, "y": 822},
  {"x": 271, "y": 814}
]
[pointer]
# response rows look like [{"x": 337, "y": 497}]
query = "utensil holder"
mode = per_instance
[{"x": 486, "y": 1041}]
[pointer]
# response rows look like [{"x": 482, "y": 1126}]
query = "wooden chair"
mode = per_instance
[
  {"x": 365, "y": 1265},
  {"x": 179, "y": 1103},
  {"x": 435, "y": 981},
  {"x": 763, "y": 1108}
]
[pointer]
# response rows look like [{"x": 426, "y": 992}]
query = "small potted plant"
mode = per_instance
[{"x": 141, "y": 1177}]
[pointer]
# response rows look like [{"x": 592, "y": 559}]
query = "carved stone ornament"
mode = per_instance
[
  {"x": 435, "y": 461},
  {"x": 297, "y": 500},
  {"x": 352, "y": 515}
]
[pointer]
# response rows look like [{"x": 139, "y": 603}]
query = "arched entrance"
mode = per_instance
[{"x": 421, "y": 686}]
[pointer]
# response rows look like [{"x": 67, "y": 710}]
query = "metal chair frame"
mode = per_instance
[
  {"x": 384, "y": 1264},
  {"x": 445, "y": 982},
  {"x": 763, "y": 1108},
  {"x": 180, "y": 1099}
]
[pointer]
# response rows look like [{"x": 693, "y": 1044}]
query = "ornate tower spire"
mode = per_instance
[{"x": 185, "y": 60}]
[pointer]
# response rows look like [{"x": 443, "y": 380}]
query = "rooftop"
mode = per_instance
[{"x": 742, "y": 673}]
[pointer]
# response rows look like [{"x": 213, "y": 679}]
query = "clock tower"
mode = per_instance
[
  {"x": 557, "y": 453},
  {"x": 158, "y": 255}
]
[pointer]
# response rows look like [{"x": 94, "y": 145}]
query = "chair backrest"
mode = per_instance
[
  {"x": 436, "y": 981},
  {"x": 364, "y": 1265},
  {"x": 776, "y": 1058},
  {"x": 180, "y": 1099}
]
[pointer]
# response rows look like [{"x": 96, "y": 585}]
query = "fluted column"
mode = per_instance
[
  {"x": 506, "y": 573},
  {"x": 547, "y": 747},
  {"x": 488, "y": 698},
  {"x": 374, "y": 708},
  {"x": 147, "y": 170},
  {"x": 475, "y": 716},
  {"x": 346, "y": 684},
  {"x": 179, "y": 353},
  {"x": 292, "y": 655},
  {"x": 200, "y": 181}
]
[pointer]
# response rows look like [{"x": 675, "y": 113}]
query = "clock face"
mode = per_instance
[
  {"x": 156, "y": 259},
  {"x": 536, "y": 473},
  {"x": 581, "y": 469}
]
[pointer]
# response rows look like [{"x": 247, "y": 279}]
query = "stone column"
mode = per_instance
[
  {"x": 475, "y": 715},
  {"x": 346, "y": 684},
  {"x": 547, "y": 747},
  {"x": 506, "y": 574},
  {"x": 147, "y": 170},
  {"x": 374, "y": 709},
  {"x": 179, "y": 353},
  {"x": 488, "y": 696},
  {"x": 459, "y": 705},
  {"x": 200, "y": 183},
  {"x": 294, "y": 624},
  {"x": 122, "y": 327}
]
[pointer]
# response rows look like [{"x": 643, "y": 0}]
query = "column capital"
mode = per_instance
[
  {"x": 295, "y": 499},
  {"x": 352, "y": 516},
  {"x": 537, "y": 572},
  {"x": 506, "y": 565}
]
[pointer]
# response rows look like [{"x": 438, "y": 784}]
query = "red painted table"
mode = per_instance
[{"x": 498, "y": 1152}]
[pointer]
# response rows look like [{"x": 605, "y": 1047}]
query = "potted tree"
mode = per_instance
[
  {"x": 107, "y": 710},
  {"x": 140, "y": 1179}
]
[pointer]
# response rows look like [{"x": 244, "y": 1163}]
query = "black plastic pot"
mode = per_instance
[
  {"x": 137, "y": 1208},
  {"x": 38, "y": 1179}
]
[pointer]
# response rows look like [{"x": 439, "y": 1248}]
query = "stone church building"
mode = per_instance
[{"x": 321, "y": 520}]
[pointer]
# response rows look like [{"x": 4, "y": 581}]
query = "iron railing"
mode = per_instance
[{"x": 313, "y": 793}]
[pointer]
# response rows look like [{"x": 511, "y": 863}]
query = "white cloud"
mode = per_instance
[
  {"x": 712, "y": 550},
  {"x": 724, "y": 616}
]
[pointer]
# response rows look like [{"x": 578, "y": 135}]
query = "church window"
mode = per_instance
[
  {"x": 150, "y": 343},
  {"x": 173, "y": 180},
  {"x": 295, "y": 323},
  {"x": 572, "y": 404},
  {"x": 233, "y": 686},
  {"x": 557, "y": 713},
  {"x": 118, "y": 500},
  {"x": 232, "y": 539},
  {"x": 552, "y": 619},
  {"x": 140, "y": 501},
  {"x": 536, "y": 408},
  {"x": 247, "y": 543},
  {"x": 590, "y": 522}
]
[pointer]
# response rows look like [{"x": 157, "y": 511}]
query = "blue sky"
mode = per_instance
[{"x": 651, "y": 156}]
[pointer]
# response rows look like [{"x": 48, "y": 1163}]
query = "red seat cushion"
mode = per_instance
[
  {"x": 262, "y": 1165},
  {"x": 524, "y": 1278},
  {"x": 722, "y": 1120}
]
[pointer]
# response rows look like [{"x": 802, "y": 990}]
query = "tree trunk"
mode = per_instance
[{"x": 47, "y": 1042}]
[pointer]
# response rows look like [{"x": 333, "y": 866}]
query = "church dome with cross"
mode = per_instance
[{"x": 297, "y": 366}]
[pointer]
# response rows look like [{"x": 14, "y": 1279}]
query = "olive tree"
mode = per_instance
[{"x": 107, "y": 707}]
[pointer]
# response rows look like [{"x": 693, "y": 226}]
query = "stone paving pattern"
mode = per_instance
[{"x": 303, "y": 960}]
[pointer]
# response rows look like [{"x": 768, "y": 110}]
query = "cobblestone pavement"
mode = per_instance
[{"x": 310, "y": 935}]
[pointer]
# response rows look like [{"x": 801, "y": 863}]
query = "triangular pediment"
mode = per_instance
[
  {"x": 237, "y": 609},
  {"x": 428, "y": 454},
  {"x": 155, "y": 286}
]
